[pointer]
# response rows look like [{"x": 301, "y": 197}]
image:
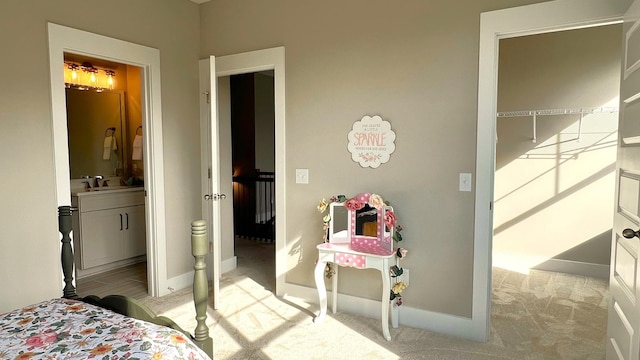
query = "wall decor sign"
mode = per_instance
[{"x": 371, "y": 141}]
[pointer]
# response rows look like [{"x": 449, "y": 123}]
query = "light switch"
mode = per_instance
[
  {"x": 302, "y": 176},
  {"x": 465, "y": 182}
]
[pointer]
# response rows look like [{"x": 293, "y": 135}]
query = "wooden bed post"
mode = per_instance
[
  {"x": 199, "y": 249},
  {"x": 133, "y": 308},
  {"x": 66, "y": 255}
]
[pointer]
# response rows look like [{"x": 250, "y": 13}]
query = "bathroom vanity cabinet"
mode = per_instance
[{"x": 109, "y": 226}]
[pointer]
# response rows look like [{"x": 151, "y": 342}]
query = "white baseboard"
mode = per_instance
[
  {"x": 229, "y": 264},
  {"x": 437, "y": 322},
  {"x": 575, "y": 268},
  {"x": 185, "y": 280},
  {"x": 180, "y": 282}
]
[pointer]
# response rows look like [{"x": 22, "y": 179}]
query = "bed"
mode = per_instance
[{"x": 112, "y": 327}]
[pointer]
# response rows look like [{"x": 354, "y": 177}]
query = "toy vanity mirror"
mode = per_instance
[
  {"x": 339, "y": 225},
  {"x": 363, "y": 229}
]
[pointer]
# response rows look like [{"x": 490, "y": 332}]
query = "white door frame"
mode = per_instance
[
  {"x": 495, "y": 25},
  {"x": 250, "y": 62},
  {"x": 64, "y": 39}
]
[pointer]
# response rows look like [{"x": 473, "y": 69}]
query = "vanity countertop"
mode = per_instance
[{"x": 105, "y": 190}]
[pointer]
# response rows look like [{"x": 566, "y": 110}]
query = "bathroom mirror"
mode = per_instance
[{"x": 92, "y": 116}]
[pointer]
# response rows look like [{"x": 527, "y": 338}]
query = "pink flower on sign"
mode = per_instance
[
  {"x": 354, "y": 204},
  {"x": 389, "y": 218}
]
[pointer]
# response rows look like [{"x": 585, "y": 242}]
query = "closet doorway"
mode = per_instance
[
  {"x": 557, "y": 130},
  {"x": 496, "y": 25},
  {"x": 557, "y": 125}
]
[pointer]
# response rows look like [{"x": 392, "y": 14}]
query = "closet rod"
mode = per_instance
[
  {"x": 569, "y": 111},
  {"x": 574, "y": 111}
]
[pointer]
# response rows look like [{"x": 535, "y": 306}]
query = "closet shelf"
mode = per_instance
[
  {"x": 589, "y": 110},
  {"x": 571, "y": 111}
]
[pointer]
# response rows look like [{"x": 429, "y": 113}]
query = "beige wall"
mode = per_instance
[
  {"x": 554, "y": 198},
  {"x": 29, "y": 238},
  {"x": 415, "y": 64}
]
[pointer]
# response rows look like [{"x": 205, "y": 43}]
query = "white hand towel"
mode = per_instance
[
  {"x": 137, "y": 148},
  {"x": 106, "y": 150}
]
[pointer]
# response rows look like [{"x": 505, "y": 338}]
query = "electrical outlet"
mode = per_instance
[{"x": 404, "y": 277}]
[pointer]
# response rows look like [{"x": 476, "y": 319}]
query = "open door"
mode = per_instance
[
  {"x": 211, "y": 194},
  {"x": 623, "y": 329}
]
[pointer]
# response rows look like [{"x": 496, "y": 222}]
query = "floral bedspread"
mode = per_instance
[{"x": 70, "y": 329}]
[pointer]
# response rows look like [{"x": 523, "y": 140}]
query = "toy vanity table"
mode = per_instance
[{"x": 357, "y": 239}]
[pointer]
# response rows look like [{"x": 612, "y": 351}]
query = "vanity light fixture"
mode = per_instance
[
  {"x": 86, "y": 76},
  {"x": 110, "y": 75}
]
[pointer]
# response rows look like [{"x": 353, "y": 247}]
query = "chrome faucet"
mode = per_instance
[
  {"x": 97, "y": 181},
  {"x": 86, "y": 181}
]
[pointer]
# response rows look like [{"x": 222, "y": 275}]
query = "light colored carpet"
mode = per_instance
[{"x": 540, "y": 316}]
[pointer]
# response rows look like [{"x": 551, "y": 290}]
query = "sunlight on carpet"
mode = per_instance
[
  {"x": 251, "y": 323},
  {"x": 539, "y": 316}
]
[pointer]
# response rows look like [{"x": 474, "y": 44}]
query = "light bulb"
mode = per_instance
[
  {"x": 71, "y": 74},
  {"x": 110, "y": 78}
]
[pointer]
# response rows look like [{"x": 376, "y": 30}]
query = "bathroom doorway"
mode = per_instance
[
  {"x": 103, "y": 106},
  {"x": 72, "y": 41}
]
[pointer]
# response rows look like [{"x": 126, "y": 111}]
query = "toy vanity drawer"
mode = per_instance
[{"x": 357, "y": 261}]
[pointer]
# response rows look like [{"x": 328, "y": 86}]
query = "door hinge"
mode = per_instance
[
  {"x": 206, "y": 93},
  {"x": 209, "y": 173}
]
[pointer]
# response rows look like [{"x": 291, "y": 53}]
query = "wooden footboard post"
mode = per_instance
[
  {"x": 66, "y": 255},
  {"x": 199, "y": 249}
]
